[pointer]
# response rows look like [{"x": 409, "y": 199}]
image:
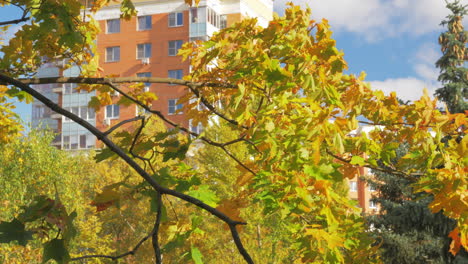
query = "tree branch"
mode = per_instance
[
  {"x": 390, "y": 171},
  {"x": 86, "y": 80},
  {"x": 14, "y": 21},
  {"x": 122, "y": 123},
  {"x": 212, "y": 108},
  {"x": 116, "y": 149}
]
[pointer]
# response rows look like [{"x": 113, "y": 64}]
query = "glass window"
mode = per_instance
[
  {"x": 74, "y": 142},
  {"x": 144, "y": 50},
  {"x": 91, "y": 140},
  {"x": 91, "y": 113},
  {"x": 198, "y": 14},
  {"x": 82, "y": 141},
  {"x": 174, "y": 107},
  {"x": 69, "y": 88},
  {"x": 371, "y": 187},
  {"x": 176, "y": 74},
  {"x": 113, "y": 25},
  {"x": 174, "y": 47},
  {"x": 145, "y": 74},
  {"x": 66, "y": 142},
  {"x": 353, "y": 186},
  {"x": 144, "y": 23},
  {"x": 196, "y": 128},
  {"x": 223, "y": 23},
  {"x": 113, "y": 54},
  {"x": 372, "y": 204},
  {"x": 112, "y": 111},
  {"x": 176, "y": 19}
]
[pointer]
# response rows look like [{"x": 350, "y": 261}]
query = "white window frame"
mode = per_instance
[
  {"x": 174, "y": 46},
  {"x": 144, "y": 50},
  {"x": 173, "y": 107},
  {"x": 112, "y": 50},
  {"x": 175, "y": 74},
  {"x": 109, "y": 25},
  {"x": 145, "y": 24},
  {"x": 176, "y": 19},
  {"x": 353, "y": 186},
  {"x": 69, "y": 88},
  {"x": 112, "y": 107},
  {"x": 196, "y": 129},
  {"x": 83, "y": 112}
]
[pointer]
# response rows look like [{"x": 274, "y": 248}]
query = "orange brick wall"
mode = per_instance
[{"x": 159, "y": 36}]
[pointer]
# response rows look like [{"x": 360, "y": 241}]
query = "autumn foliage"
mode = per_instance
[{"x": 280, "y": 116}]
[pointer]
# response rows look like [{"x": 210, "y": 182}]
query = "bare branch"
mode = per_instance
[
  {"x": 238, "y": 242},
  {"x": 131, "y": 252},
  {"x": 122, "y": 123},
  {"x": 14, "y": 21},
  {"x": 86, "y": 80},
  {"x": 386, "y": 170}
]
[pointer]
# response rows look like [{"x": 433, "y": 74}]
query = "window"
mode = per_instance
[
  {"x": 198, "y": 14},
  {"x": 112, "y": 54},
  {"x": 176, "y": 74},
  {"x": 223, "y": 22},
  {"x": 143, "y": 50},
  {"x": 66, "y": 142},
  {"x": 83, "y": 112},
  {"x": 74, "y": 142},
  {"x": 353, "y": 186},
  {"x": 174, "y": 47},
  {"x": 372, "y": 204},
  {"x": 372, "y": 187},
  {"x": 173, "y": 107},
  {"x": 113, "y": 26},
  {"x": 176, "y": 19},
  {"x": 195, "y": 128},
  {"x": 112, "y": 111},
  {"x": 144, "y": 23},
  {"x": 145, "y": 74},
  {"x": 69, "y": 88}
]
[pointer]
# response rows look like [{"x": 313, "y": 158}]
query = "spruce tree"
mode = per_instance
[
  {"x": 408, "y": 231},
  {"x": 452, "y": 64}
]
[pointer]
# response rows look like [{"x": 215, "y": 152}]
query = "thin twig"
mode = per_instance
[
  {"x": 122, "y": 123},
  {"x": 390, "y": 171},
  {"x": 212, "y": 108}
]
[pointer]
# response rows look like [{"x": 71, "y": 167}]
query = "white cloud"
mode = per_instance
[
  {"x": 406, "y": 88},
  {"x": 376, "y": 19},
  {"x": 411, "y": 88}
]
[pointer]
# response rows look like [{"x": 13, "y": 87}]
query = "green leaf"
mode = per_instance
[
  {"x": 39, "y": 207},
  {"x": 196, "y": 255},
  {"x": 205, "y": 195},
  {"x": 358, "y": 160},
  {"x": 56, "y": 250},
  {"x": 94, "y": 103},
  {"x": 14, "y": 230},
  {"x": 104, "y": 154}
]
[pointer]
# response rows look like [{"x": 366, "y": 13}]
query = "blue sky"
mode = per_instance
[{"x": 393, "y": 41}]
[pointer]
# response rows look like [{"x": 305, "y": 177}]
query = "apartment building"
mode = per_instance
[{"x": 145, "y": 46}]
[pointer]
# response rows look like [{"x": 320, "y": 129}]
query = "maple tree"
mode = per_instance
[{"x": 282, "y": 94}]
